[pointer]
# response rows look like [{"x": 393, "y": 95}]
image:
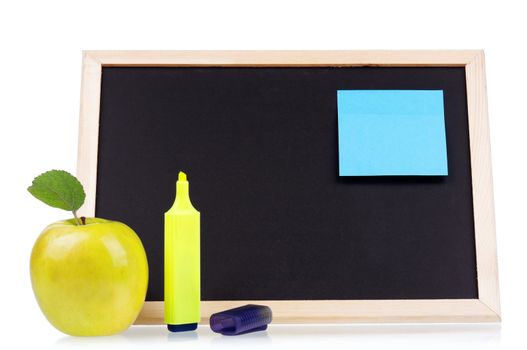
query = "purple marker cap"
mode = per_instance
[{"x": 241, "y": 320}]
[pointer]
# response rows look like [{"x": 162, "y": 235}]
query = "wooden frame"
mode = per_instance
[{"x": 484, "y": 309}]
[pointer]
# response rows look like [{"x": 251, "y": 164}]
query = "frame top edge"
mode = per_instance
[{"x": 281, "y": 57}]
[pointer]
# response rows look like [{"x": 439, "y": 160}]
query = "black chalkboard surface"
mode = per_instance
[{"x": 260, "y": 148}]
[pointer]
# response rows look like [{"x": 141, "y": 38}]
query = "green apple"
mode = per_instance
[{"x": 89, "y": 279}]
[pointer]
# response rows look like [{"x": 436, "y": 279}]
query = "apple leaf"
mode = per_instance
[{"x": 59, "y": 189}]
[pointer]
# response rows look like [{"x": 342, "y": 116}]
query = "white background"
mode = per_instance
[{"x": 40, "y": 67}]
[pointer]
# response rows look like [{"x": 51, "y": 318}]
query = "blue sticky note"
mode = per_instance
[{"x": 391, "y": 132}]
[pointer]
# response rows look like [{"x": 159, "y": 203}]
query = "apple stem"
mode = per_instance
[
  {"x": 76, "y": 218},
  {"x": 83, "y": 219}
]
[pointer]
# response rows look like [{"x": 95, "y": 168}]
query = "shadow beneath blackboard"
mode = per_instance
[
  {"x": 491, "y": 330},
  {"x": 409, "y": 336},
  {"x": 405, "y": 336}
]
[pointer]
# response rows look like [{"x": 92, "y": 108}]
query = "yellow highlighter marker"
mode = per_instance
[{"x": 182, "y": 261}]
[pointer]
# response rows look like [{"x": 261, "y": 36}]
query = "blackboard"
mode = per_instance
[
  {"x": 260, "y": 148},
  {"x": 259, "y": 143}
]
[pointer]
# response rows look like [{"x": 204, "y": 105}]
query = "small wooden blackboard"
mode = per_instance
[{"x": 257, "y": 134}]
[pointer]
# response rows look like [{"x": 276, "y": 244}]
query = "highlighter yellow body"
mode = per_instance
[{"x": 182, "y": 259}]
